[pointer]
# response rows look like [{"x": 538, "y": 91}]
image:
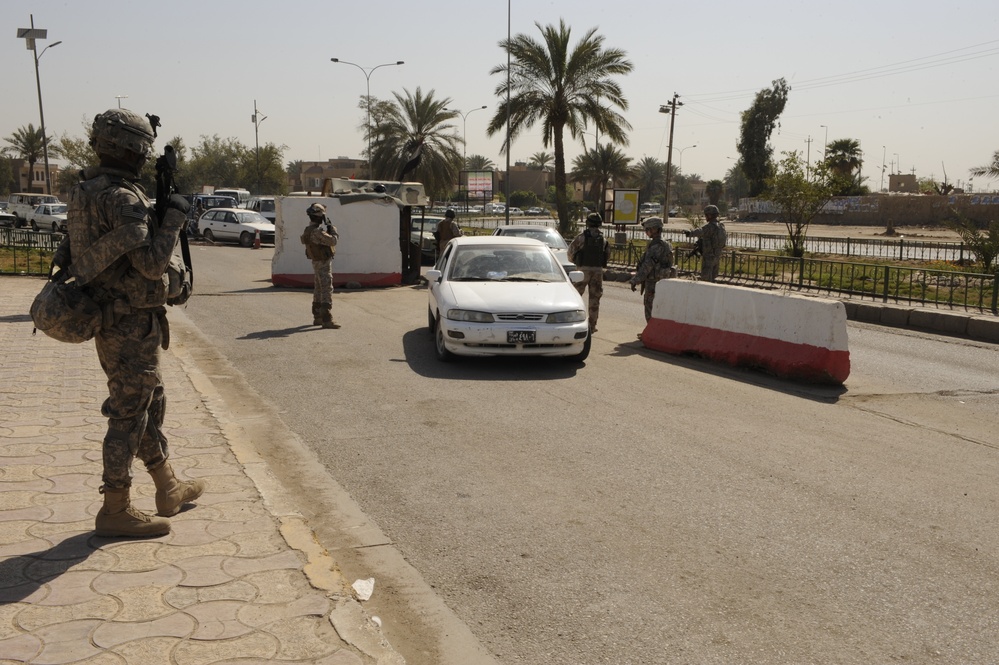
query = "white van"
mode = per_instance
[
  {"x": 241, "y": 195},
  {"x": 23, "y": 204}
]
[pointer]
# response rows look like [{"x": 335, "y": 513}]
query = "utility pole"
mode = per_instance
[
  {"x": 808, "y": 156},
  {"x": 670, "y": 108},
  {"x": 29, "y": 35}
]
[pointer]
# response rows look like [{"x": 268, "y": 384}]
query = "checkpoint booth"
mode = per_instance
[{"x": 373, "y": 220}]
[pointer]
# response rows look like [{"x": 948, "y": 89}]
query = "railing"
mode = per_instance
[{"x": 25, "y": 252}]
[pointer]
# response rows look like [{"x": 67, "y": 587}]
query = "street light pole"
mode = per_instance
[
  {"x": 670, "y": 108},
  {"x": 679, "y": 163},
  {"x": 367, "y": 76},
  {"x": 30, "y": 35},
  {"x": 119, "y": 98},
  {"x": 825, "y": 146},
  {"x": 257, "y": 120},
  {"x": 464, "y": 146}
]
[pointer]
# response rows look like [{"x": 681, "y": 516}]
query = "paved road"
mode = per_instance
[{"x": 641, "y": 508}]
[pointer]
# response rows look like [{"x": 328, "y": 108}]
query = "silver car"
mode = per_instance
[{"x": 545, "y": 234}]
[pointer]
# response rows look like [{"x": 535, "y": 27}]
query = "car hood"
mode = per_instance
[{"x": 514, "y": 296}]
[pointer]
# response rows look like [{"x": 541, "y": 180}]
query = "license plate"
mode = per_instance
[{"x": 520, "y": 337}]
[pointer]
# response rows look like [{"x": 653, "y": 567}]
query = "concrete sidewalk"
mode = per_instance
[{"x": 240, "y": 579}]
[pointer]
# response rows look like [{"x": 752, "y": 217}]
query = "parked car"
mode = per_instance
[
  {"x": 422, "y": 233},
  {"x": 23, "y": 204},
  {"x": 545, "y": 234},
  {"x": 235, "y": 225},
  {"x": 209, "y": 201},
  {"x": 501, "y": 296},
  {"x": 515, "y": 212},
  {"x": 536, "y": 211},
  {"x": 495, "y": 208},
  {"x": 48, "y": 216},
  {"x": 7, "y": 219},
  {"x": 265, "y": 205}
]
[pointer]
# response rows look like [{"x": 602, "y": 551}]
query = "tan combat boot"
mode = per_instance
[
  {"x": 171, "y": 493},
  {"x": 328, "y": 317},
  {"x": 118, "y": 518}
]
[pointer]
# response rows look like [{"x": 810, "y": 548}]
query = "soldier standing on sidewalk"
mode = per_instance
[
  {"x": 656, "y": 263},
  {"x": 320, "y": 238},
  {"x": 133, "y": 293}
]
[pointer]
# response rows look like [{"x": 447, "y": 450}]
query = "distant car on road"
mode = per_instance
[
  {"x": 545, "y": 234},
  {"x": 48, "y": 216},
  {"x": 7, "y": 219},
  {"x": 235, "y": 225},
  {"x": 501, "y": 296},
  {"x": 536, "y": 211},
  {"x": 515, "y": 212}
]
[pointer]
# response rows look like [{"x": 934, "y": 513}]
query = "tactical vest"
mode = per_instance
[
  {"x": 315, "y": 251},
  {"x": 592, "y": 252}
]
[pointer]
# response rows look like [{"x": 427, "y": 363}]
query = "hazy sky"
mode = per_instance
[{"x": 916, "y": 82}]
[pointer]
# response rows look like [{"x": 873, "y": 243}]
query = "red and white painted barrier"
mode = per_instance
[{"x": 787, "y": 335}]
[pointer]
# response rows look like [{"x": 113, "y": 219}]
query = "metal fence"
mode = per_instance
[{"x": 26, "y": 252}]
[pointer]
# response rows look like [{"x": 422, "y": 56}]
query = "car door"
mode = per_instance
[{"x": 228, "y": 225}]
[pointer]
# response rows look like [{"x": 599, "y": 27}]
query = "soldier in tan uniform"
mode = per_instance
[
  {"x": 590, "y": 251},
  {"x": 132, "y": 292},
  {"x": 320, "y": 238},
  {"x": 656, "y": 263}
]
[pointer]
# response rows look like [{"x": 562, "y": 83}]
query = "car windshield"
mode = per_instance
[
  {"x": 505, "y": 263},
  {"x": 547, "y": 236},
  {"x": 59, "y": 210},
  {"x": 251, "y": 216}
]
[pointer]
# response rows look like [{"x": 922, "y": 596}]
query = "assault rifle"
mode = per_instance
[{"x": 166, "y": 166}]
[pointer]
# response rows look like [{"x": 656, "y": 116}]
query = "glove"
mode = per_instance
[
  {"x": 178, "y": 202},
  {"x": 632, "y": 286}
]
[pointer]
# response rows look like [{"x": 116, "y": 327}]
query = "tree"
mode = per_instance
[
  {"x": 736, "y": 183},
  {"x": 984, "y": 245},
  {"x": 26, "y": 143},
  {"x": 989, "y": 170},
  {"x": 215, "y": 161},
  {"x": 798, "y": 197},
  {"x": 843, "y": 158},
  {"x": 649, "y": 176},
  {"x": 598, "y": 166},
  {"x": 758, "y": 123},
  {"x": 563, "y": 87},
  {"x": 541, "y": 161},
  {"x": 418, "y": 125},
  {"x": 714, "y": 190},
  {"x": 6, "y": 176},
  {"x": 479, "y": 163}
]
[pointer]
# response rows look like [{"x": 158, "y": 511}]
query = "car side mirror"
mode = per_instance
[
  {"x": 435, "y": 275},
  {"x": 576, "y": 276}
]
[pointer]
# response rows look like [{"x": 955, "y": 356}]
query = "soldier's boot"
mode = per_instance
[
  {"x": 317, "y": 314},
  {"x": 118, "y": 518},
  {"x": 328, "y": 317},
  {"x": 171, "y": 493}
]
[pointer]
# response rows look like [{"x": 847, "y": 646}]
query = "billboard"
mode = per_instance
[{"x": 480, "y": 184}]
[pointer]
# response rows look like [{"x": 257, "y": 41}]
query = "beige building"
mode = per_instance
[{"x": 34, "y": 182}]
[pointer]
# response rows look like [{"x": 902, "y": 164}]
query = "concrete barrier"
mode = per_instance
[{"x": 787, "y": 335}]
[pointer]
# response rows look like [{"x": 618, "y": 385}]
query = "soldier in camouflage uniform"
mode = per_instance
[
  {"x": 447, "y": 229},
  {"x": 320, "y": 238},
  {"x": 656, "y": 263},
  {"x": 713, "y": 237},
  {"x": 132, "y": 292},
  {"x": 590, "y": 252}
]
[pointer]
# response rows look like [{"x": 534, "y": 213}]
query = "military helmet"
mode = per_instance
[
  {"x": 449, "y": 213},
  {"x": 316, "y": 210},
  {"x": 594, "y": 219},
  {"x": 710, "y": 211},
  {"x": 122, "y": 135},
  {"x": 652, "y": 223}
]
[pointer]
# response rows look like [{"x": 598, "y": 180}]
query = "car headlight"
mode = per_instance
[
  {"x": 573, "y": 316},
  {"x": 470, "y": 315}
]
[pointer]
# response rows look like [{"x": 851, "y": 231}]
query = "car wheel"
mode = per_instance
[
  {"x": 55, "y": 228},
  {"x": 34, "y": 225},
  {"x": 208, "y": 235},
  {"x": 245, "y": 239},
  {"x": 431, "y": 321},
  {"x": 443, "y": 354},
  {"x": 581, "y": 356}
]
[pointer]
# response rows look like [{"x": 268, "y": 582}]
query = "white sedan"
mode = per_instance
[
  {"x": 48, "y": 216},
  {"x": 235, "y": 225},
  {"x": 499, "y": 296}
]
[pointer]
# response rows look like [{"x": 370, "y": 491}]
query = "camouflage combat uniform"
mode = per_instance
[
  {"x": 590, "y": 252},
  {"x": 447, "y": 229},
  {"x": 133, "y": 294},
  {"x": 713, "y": 238},
  {"x": 320, "y": 240},
  {"x": 654, "y": 265}
]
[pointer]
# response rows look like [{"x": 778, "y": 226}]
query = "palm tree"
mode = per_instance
[
  {"x": 540, "y": 161},
  {"x": 714, "y": 190},
  {"x": 26, "y": 143},
  {"x": 989, "y": 170},
  {"x": 479, "y": 163},
  {"x": 650, "y": 177},
  {"x": 600, "y": 165},
  {"x": 843, "y": 157},
  {"x": 416, "y": 129},
  {"x": 562, "y": 87}
]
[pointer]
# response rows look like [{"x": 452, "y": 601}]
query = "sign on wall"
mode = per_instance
[{"x": 626, "y": 206}]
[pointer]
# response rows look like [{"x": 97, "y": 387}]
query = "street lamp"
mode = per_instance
[
  {"x": 30, "y": 35},
  {"x": 464, "y": 127},
  {"x": 679, "y": 162},
  {"x": 367, "y": 77},
  {"x": 825, "y": 146},
  {"x": 257, "y": 119}
]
